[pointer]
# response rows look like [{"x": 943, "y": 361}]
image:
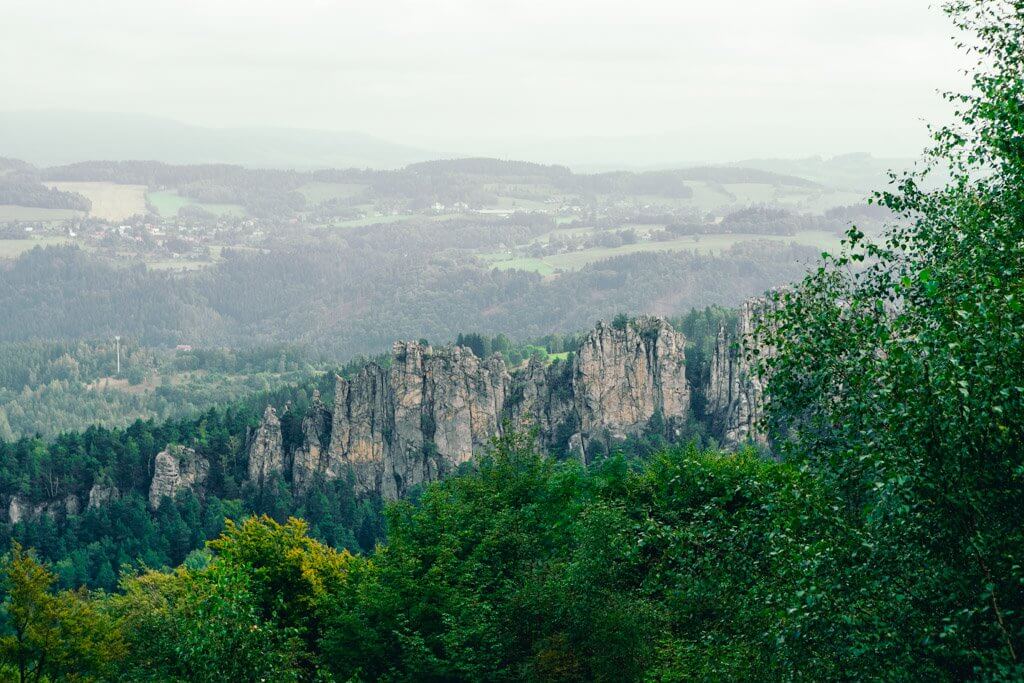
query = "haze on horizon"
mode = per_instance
[{"x": 693, "y": 81}]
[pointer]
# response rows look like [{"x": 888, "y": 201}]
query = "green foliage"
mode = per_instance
[
  {"x": 53, "y": 636},
  {"x": 898, "y": 378},
  {"x": 91, "y": 545},
  {"x": 249, "y": 612},
  {"x": 52, "y": 387},
  {"x": 529, "y": 569},
  {"x": 202, "y": 626}
]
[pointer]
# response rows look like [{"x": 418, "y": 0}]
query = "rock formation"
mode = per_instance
[
  {"x": 266, "y": 449},
  {"x": 101, "y": 493},
  {"x": 177, "y": 468},
  {"x": 735, "y": 392},
  {"x": 21, "y": 509},
  {"x": 417, "y": 420},
  {"x": 624, "y": 377},
  {"x": 309, "y": 457},
  {"x": 433, "y": 409},
  {"x": 540, "y": 397}
]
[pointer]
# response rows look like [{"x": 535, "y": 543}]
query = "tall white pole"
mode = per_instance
[{"x": 117, "y": 339}]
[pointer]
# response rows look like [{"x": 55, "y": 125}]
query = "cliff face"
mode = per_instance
[
  {"x": 177, "y": 468},
  {"x": 540, "y": 397},
  {"x": 309, "y": 457},
  {"x": 735, "y": 393},
  {"x": 434, "y": 408},
  {"x": 417, "y": 420},
  {"x": 266, "y": 449},
  {"x": 623, "y": 377},
  {"x": 102, "y": 493},
  {"x": 20, "y": 509}
]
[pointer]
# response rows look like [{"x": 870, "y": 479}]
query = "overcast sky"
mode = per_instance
[{"x": 733, "y": 78}]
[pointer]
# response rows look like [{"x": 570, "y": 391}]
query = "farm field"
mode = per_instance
[
  {"x": 375, "y": 219},
  {"x": 703, "y": 244},
  {"x": 720, "y": 197},
  {"x": 13, "y": 212},
  {"x": 167, "y": 203},
  {"x": 14, "y": 248},
  {"x": 533, "y": 265},
  {"x": 110, "y": 201}
]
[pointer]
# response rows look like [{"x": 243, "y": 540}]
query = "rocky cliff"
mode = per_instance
[
  {"x": 417, "y": 420},
  {"x": 432, "y": 409},
  {"x": 310, "y": 456},
  {"x": 394, "y": 426},
  {"x": 622, "y": 377},
  {"x": 735, "y": 393},
  {"x": 266, "y": 449},
  {"x": 177, "y": 468},
  {"x": 20, "y": 509}
]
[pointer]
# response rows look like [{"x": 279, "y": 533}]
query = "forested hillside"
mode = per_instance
[{"x": 349, "y": 300}]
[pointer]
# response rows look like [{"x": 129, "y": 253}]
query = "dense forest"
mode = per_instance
[{"x": 51, "y": 387}]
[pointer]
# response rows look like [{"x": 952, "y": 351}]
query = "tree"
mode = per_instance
[
  {"x": 53, "y": 635},
  {"x": 898, "y": 375}
]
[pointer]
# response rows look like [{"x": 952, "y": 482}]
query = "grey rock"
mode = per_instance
[
  {"x": 266, "y": 449},
  {"x": 735, "y": 391},
  {"x": 309, "y": 458},
  {"x": 433, "y": 409},
  {"x": 177, "y": 468}
]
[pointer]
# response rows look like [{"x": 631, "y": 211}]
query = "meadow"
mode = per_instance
[
  {"x": 320, "y": 192},
  {"x": 13, "y": 212},
  {"x": 110, "y": 201},
  {"x": 702, "y": 244},
  {"x": 15, "y": 248},
  {"x": 168, "y": 203}
]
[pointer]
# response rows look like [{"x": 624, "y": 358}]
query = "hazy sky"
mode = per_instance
[{"x": 732, "y": 78}]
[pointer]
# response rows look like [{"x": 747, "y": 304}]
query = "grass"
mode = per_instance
[
  {"x": 177, "y": 264},
  {"x": 504, "y": 261},
  {"x": 167, "y": 203},
  {"x": 521, "y": 204},
  {"x": 374, "y": 219},
  {"x": 15, "y": 248},
  {"x": 110, "y": 201},
  {"x": 704, "y": 244},
  {"x": 12, "y": 212}
]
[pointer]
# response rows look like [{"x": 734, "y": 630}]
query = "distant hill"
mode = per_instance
[
  {"x": 856, "y": 172},
  {"x": 59, "y": 137}
]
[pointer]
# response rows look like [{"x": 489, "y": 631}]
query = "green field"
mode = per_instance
[
  {"x": 517, "y": 203},
  {"x": 12, "y": 212},
  {"x": 534, "y": 265},
  {"x": 374, "y": 219},
  {"x": 167, "y": 203},
  {"x": 14, "y": 248},
  {"x": 703, "y": 244},
  {"x": 719, "y": 197}
]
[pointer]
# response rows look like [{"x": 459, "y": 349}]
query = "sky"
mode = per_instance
[{"x": 723, "y": 79}]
